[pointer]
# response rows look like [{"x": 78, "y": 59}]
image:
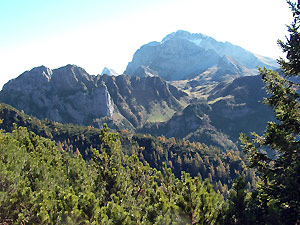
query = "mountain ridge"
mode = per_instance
[
  {"x": 218, "y": 100},
  {"x": 70, "y": 95},
  {"x": 183, "y": 55}
]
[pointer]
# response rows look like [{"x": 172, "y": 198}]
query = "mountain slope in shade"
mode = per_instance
[
  {"x": 232, "y": 107},
  {"x": 227, "y": 69},
  {"x": 143, "y": 99},
  {"x": 193, "y": 124},
  {"x": 182, "y": 55}
]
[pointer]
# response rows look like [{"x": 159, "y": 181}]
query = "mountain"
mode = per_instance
[
  {"x": 182, "y": 55},
  {"x": 108, "y": 71},
  {"x": 173, "y": 59},
  {"x": 227, "y": 69},
  {"x": 67, "y": 94},
  {"x": 240, "y": 54},
  {"x": 70, "y": 95},
  {"x": 231, "y": 108},
  {"x": 144, "y": 99},
  {"x": 145, "y": 104},
  {"x": 218, "y": 99}
]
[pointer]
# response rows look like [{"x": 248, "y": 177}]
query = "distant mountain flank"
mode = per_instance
[
  {"x": 183, "y": 55},
  {"x": 231, "y": 108}
]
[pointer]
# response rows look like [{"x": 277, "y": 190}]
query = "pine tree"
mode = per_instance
[{"x": 280, "y": 168}]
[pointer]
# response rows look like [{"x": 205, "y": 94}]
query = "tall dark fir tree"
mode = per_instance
[{"x": 279, "y": 192}]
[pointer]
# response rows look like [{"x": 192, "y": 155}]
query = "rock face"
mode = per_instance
[
  {"x": 182, "y": 55},
  {"x": 70, "y": 95},
  {"x": 143, "y": 99},
  {"x": 67, "y": 94}
]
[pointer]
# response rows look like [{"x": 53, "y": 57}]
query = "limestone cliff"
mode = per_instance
[
  {"x": 67, "y": 94},
  {"x": 144, "y": 99}
]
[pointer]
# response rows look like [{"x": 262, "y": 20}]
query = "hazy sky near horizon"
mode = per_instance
[{"x": 97, "y": 33}]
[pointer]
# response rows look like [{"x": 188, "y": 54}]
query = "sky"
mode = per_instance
[{"x": 94, "y": 34}]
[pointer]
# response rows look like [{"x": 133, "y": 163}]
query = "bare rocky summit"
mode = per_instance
[
  {"x": 67, "y": 94},
  {"x": 182, "y": 55}
]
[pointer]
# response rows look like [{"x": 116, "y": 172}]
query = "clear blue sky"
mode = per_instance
[{"x": 97, "y": 33}]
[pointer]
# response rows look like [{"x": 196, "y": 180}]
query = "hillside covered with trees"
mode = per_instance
[
  {"x": 199, "y": 160},
  {"x": 42, "y": 185}
]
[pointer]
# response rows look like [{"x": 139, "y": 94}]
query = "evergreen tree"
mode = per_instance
[
  {"x": 279, "y": 192},
  {"x": 240, "y": 208}
]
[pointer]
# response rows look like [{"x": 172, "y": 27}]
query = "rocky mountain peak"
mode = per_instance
[
  {"x": 76, "y": 72},
  {"x": 67, "y": 94},
  {"x": 196, "y": 38},
  {"x": 70, "y": 78},
  {"x": 38, "y": 76},
  {"x": 42, "y": 70},
  {"x": 183, "y": 55},
  {"x": 109, "y": 72},
  {"x": 71, "y": 95},
  {"x": 173, "y": 59}
]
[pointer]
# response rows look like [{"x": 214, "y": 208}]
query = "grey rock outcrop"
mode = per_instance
[
  {"x": 67, "y": 94},
  {"x": 141, "y": 99}
]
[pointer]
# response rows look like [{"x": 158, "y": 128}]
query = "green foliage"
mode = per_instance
[
  {"x": 241, "y": 207},
  {"x": 222, "y": 168},
  {"x": 199, "y": 160},
  {"x": 279, "y": 192},
  {"x": 40, "y": 184},
  {"x": 291, "y": 47}
]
